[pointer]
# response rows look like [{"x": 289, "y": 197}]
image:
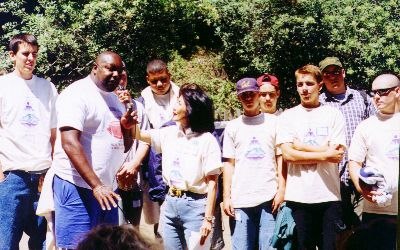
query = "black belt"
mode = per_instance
[
  {"x": 26, "y": 172},
  {"x": 174, "y": 192}
]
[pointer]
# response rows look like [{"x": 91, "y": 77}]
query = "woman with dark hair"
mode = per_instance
[{"x": 191, "y": 164}]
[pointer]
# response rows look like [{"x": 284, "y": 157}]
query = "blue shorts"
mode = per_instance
[{"x": 76, "y": 212}]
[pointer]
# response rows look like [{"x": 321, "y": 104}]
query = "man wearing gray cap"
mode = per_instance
[{"x": 355, "y": 106}]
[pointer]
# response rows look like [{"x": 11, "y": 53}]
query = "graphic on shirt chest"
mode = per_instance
[
  {"x": 254, "y": 150},
  {"x": 392, "y": 151},
  {"x": 175, "y": 175},
  {"x": 313, "y": 136},
  {"x": 29, "y": 119},
  {"x": 114, "y": 128}
]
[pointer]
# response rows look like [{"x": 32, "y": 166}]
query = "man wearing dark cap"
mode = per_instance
[
  {"x": 253, "y": 186},
  {"x": 269, "y": 93},
  {"x": 355, "y": 106}
]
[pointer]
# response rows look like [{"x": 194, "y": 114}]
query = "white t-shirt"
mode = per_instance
[
  {"x": 313, "y": 183},
  {"x": 95, "y": 113},
  {"x": 377, "y": 140},
  {"x": 250, "y": 141},
  {"x": 187, "y": 158},
  {"x": 27, "y": 115},
  {"x": 159, "y": 108}
]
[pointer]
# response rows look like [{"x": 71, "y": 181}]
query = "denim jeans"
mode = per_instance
[
  {"x": 181, "y": 221},
  {"x": 317, "y": 224},
  {"x": 252, "y": 227},
  {"x": 76, "y": 212},
  {"x": 18, "y": 202}
]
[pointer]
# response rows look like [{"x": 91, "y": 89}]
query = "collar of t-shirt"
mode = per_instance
[
  {"x": 163, "y": 100},
  {"x": 253, "y": 120},
  {"x": 188, "y": 132}
]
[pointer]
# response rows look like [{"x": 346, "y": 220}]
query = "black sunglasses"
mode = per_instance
[{"x": 382, "y": 92}]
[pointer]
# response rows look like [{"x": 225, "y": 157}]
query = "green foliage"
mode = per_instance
[
  {"x": 241, "y": 38},
  {"x": 205, "y": 68},
  {"x": 281, "y": 36}
]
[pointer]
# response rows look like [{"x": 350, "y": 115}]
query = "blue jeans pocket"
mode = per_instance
[{"x": 196, "y": 203}]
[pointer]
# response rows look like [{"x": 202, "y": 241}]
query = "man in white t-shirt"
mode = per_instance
[
  {"x": 251, "y": 188},
  {"x": 376, "y": 141},
  {"x": 312, "y": 140},
  {"x": 27, "y": 134},
  {"x": 89, "y": 151},
  {"x": 158, "y": 99}
]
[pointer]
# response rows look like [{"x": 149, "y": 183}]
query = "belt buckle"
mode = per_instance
[{"x": 176, "y": 192}]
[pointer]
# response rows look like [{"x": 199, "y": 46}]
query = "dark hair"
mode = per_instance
[
  {"x": 199, "y": 108},
  {"x": 156, "y": 66},
  {"x": 108, "y": 237},
  {"x": 22, "y": 38}
]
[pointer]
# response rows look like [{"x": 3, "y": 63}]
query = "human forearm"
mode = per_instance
[
  {"x": 74, "y": 150},
  {"x": 141, "y": 135},
  {"x": 354, "y": 169},
  {"x": 227, "y": 179},
  {"x": 211, "y": 195},
  {"x": 334, "y": 153}
]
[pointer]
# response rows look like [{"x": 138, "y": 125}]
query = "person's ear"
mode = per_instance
[{"x": 12, "y": 55}]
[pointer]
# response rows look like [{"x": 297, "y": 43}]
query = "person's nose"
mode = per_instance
[
  {"x": 159, "y": 83},
  {"x": 30, "y": 57}
]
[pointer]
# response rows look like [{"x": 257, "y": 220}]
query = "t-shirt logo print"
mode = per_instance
[
  {"x": 394, "y": 147},
  {"x": 176, "y": 176},
  {"x": 114, "y": 128},
  {"x": 29, "y": 119},
  {"x": 255, "y": 151}
]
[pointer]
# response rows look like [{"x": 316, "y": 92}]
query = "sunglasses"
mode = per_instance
[
  {"x": 162, "y": 80},
  {"x": 382, "y": 92}
]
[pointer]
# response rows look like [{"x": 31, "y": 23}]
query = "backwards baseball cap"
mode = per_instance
[
  {"x": 267, "y": 78},
  {"x": 329, "y": 61},
  {"x": 246, "y": 84}
]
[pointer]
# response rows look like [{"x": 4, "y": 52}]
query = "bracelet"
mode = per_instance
[{"x": 209, "y": 219}]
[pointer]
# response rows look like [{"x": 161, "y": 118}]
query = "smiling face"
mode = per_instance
[
  {"x": 24, "y": 60},
  {"x": 268, "y": 98},
  {"x": 333, "y": 78},
  {"x": 159, "y": 82},
  {"x": 308, "y": 89},
  {"x": 180, "y": 112}
]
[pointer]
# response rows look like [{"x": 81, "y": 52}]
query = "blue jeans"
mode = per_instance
[
  {"x": 18, "y": 201},
  {"x": 252, "y": 227},
  {"x": 76, "y": 212},
  {"x": 181, "y": 217}
]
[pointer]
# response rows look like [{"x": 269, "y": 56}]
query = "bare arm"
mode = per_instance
[
  {"x": 354, "y": 169},
  {"x": 212, "y": 184},
  {"x": 53, "y": 135},
  {"x": 130, "y": 169},
  {"x": 229, "y": 165},
  {"x": 74, "y": 150},
  {"x": 298, "y": 145},
  {"x": 282, "y": 174},
  {"x": 334, "y": 154}
]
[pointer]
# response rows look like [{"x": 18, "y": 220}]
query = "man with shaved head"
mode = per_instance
[
  {"x": 88, "y": 151},
  {"x": 376, "y": 141}
]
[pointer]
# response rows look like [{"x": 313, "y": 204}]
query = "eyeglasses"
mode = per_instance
[
  {"x": 332, "y": 73},
  {"x": 382, "y": 92},
  {"x": 112, "y": 69},
  {"x": 162, "y": 80}
]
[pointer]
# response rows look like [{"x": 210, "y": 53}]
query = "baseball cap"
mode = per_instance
[
  {"x": 329, "y": 61},
  {"x": 246, "y": 84},
  {"x": 271, "y": 79}
]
